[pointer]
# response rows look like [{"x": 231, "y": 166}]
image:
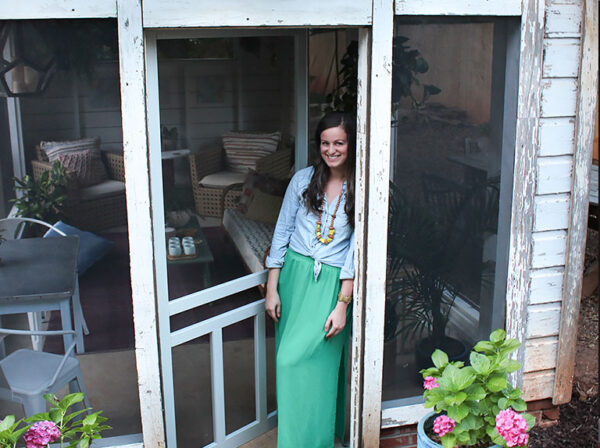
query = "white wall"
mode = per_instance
[{"x": 259, "y": 82}]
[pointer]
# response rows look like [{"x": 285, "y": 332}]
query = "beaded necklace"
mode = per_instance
[{"x": 329, "y": 238}]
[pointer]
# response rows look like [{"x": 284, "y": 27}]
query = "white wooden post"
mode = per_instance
[
  {"x": 377, "y": 218},
  {"x": 360, "y": 231},
  {"x": 520, "y": 247},
  {"x": 139, "y": 215}
]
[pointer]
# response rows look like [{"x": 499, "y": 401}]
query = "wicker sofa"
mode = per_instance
[
  {"x": 96, "y": 207},
  {"x": 212, "y": 201}
]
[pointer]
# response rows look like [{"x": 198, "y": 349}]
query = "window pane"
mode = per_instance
[
  {"x": 448, "y": 196},
  {"x": 81, "y": 100}
]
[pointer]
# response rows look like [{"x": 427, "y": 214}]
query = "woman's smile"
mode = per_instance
[{"x": 334, "y": 147}]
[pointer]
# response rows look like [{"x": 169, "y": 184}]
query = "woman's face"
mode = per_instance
[{"x": 334, "y": 147}]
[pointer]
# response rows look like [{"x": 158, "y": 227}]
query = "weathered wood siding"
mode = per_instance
[
  {"x": 553, "y": 193},
  {"x": 254, "y": 93}
]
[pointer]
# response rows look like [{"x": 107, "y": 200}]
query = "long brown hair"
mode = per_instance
[{"x": 313, "y": 195}]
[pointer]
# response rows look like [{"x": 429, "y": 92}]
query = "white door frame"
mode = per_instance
[{"x": 169, "y": 339}]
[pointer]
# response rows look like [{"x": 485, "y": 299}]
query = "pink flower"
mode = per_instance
[
  {"x": 430, "y": 383},
  {"x": 512, "y": 427},
  {"x": 41, "y": 434},
  {"x": 443, "y": 425}
]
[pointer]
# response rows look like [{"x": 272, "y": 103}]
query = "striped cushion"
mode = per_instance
[
  {"x": 244, "y": 149},
  {"x": 54, "y": 149},
  {"x": 73, "y": 155}
]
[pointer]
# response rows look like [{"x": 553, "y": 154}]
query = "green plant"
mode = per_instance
[
  {"x": 426, "y": 238},
  {"x": 407, "y": 64},
  {"x": 58, "y": 424},
  {"x": 344, "y": 96},
  {"x": 474, "y": 400},
  {"x": 44, "y": 198}
]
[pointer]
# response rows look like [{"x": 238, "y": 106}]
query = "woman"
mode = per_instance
[{"x": 309, "y": 289}]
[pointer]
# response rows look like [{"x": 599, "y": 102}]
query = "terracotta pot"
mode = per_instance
[{"x": 423, "y": 441}]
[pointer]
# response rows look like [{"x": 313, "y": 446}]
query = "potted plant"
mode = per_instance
[
  {"x": 45, "y": 198},
  {"x": 407, "y": 65},
  {"x": 424, "y": 279},
  {"x": 58, "y": 425},
  {"x": 474, "y": 405}
]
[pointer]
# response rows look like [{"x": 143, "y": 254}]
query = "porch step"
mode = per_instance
[{"x": 269, "y": 440}]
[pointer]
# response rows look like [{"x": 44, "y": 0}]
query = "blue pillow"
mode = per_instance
[{"x": 91, "y": 247}]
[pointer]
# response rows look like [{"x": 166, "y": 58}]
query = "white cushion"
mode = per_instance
[
  {"x": 106, "y": 188},
  {"x": 222, "y": 179}
]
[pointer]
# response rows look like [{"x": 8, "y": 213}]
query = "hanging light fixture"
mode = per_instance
[{"x": 26, "y": 62}]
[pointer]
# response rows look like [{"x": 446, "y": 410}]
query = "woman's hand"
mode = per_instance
[
  {"x": 336, "y": 320},
  {"x": 272, "y": 302}
]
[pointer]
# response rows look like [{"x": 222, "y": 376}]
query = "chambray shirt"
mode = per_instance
[{"x": 296, "y": 229}]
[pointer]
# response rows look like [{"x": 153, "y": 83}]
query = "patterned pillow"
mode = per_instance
[
  {"x": 244, "y": 149},
  {"x": 89, "y": 168},
  {"x": 85, "y": 165},
  {"x": 266, "y": 184}
]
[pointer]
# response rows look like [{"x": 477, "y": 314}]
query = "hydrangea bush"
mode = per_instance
[
  {"x": 56, "y": 425},
  {"x": 476, "y": 403}
]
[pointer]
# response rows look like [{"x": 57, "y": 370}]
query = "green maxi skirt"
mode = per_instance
[{"x": 310, "y": 370}]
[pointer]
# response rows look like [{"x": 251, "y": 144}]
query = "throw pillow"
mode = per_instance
[
  {"x": 267, "y": 184},
  {"x": 264, "y": 208},
  {"x": 91, "y": 247},
  {"x": 244, "y": 149},
  {"x": 86, "y": 165},
  {"x": 56, "y": 149}
]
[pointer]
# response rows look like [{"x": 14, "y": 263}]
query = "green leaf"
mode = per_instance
[
  {"x": 497, "y": 336},
  {"x": 503, "y": 403},
  {"x": 456, "y": 399},
  {"x": 475, "y": 392},
  {"x": 439, "y": 358},
  {"x": 496, "y": 383},
  {"x": 56, "y": 414},
  {"x": 457, "y": 413},
  {"x": 85, "y": 442},
  {"x": 38, "y": 417},
  {"x": 462, "y": 437},
  {"x": 512, "y": 366},
  {"x": 70, "y": 400},
  {"x": 90, "y": 419},
  {"x": 530, "y": 419},
  {"x": 464, "y": 378},
  {"x": 480, "y": 363},
  {"x": 449, "y": 441},
  {"x": 430, "y": 89},
  {"x": 471, "y": 422},
  {"x": 515, "y": 393},
  {"x": 510, "y": 346},
  {"x": 72, "y": 415},
  {"x": 484, "y": 346},
  {"x": 518, "y": 405},
  {"x": 7, "y": 422}
]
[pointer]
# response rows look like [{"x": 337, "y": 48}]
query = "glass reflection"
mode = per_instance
[{"x": 447, "y": 150}]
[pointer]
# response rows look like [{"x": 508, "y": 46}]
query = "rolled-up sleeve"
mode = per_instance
[
  {"x": 286, "y": 223},
  {"x": 347, "y": 270}
]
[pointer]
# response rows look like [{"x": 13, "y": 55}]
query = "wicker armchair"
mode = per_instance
[
  {"x": 96, "y": 207},
  {"x": 211, "y": 201}
]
